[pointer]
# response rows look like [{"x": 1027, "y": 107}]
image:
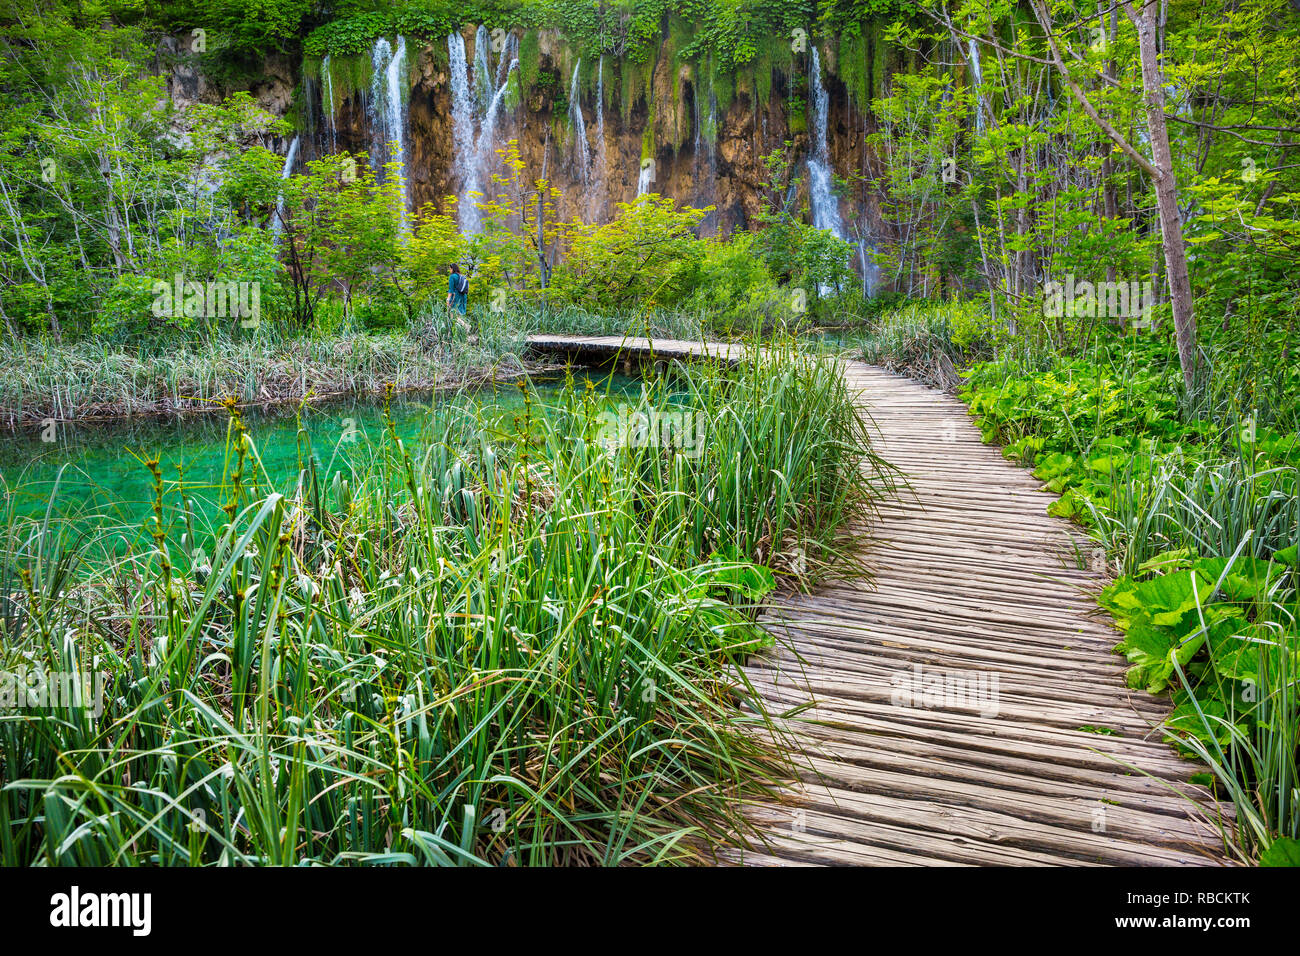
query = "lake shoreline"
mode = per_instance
[
  {"x": 166, "y": 410},
  {"x": 180, "y": 382}
]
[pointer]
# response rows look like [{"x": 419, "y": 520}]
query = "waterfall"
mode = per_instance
[
  {"x": 479, "y": 99},
  {"x": 821, "y": 192},
  {"x": 503, "y": 68},
  {"x": 486, "y": 133},
  {"x": 581, "y": 150},
  {"x": 327, "y": 102},
  {"x": 698, "y": 130},
  {"x": 821, "y": 186},
  {"x": 870, "y": 271},
  {"x": 706, "y": 150},
  {"x": 711, "y": 137},
  {"x": 388, "y": 110},
  {"x": 711, "y": 148},
  {"x": 462, "y": 130},
  {"x": 484, "y": 88},
  {"x": 646, "y": 177},
  {"x": 310, "y": 124},
  {"x": 290, "y": 158}
]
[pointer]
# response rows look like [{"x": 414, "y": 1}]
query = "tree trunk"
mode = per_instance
[
  {"x": 1159, "y": 169},
  {"x": 1166, "y": 186}
]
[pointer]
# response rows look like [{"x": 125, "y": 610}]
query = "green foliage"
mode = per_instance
[
  {"x": 1196, "y": 501},
  {"x": 646, "y": 254},
  {"x": 437, "y": 631},
  {"x": 735, "y": 289},
  {"x": 794, "y": 251},
  {"x": 237, "y": 27},
  {"x": 530, "y": 61},
  {"x": 1284, "y": 851},
  {"x": 931, "y": 342},
  {"x": 349, "y": 36},
  {"x": 1222, "y": 631}
]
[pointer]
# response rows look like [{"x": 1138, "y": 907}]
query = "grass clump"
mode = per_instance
[
  {"x": 95, "y": 378},
  {"x": 490, "y": 649},
  {"x": 930, "y": 342}
]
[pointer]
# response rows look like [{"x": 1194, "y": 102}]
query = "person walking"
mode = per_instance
[{"x": 457, "y": 290}]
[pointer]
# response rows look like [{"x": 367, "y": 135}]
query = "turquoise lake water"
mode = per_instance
[{"x": 95, "y": 473}]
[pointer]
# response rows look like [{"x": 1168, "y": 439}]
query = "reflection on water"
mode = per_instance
[{"x": 99, "y": 472}]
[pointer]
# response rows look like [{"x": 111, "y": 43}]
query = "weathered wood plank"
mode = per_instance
[{"x": 968, "y": 577}]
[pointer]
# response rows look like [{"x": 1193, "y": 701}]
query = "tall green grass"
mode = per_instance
[
  {"x": 930, "y": 341},
  {"x": 1250, "y": 741},
  {"x": 574, "y": 320},
  {"x": 492, "y": 649},
  {"x": 95, "y": 378}
]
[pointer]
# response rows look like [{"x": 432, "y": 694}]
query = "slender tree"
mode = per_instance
[{"x": 1159, "y": 169}]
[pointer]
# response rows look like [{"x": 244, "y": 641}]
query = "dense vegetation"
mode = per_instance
[
  {"x": 1087, "y": 222},
  {"x": 109, "y": 189},
  {"x": 488, "y": 648},
  {"x": 1195, "y": 504}
]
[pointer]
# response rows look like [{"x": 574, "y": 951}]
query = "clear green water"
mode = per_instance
[{"x": 104, "y": 491}]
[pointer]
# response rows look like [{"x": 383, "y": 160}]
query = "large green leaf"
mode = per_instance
[{"x": 1284, "y": 851}]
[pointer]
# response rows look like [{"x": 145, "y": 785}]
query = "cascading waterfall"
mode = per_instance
[
  {"x": 487, "y": 131},
  {"x": 711, "y": 135},
  {"x": 387, "y": 109},
  {"x": 645, "y": 178},
  {"x": 484, "y": 88},
  {"x": 310, "y": 124},
  {"x": 582, "y": 151},
  {"x": 503, "y": 64},
  {"x": 600, "y": 114},
  {"x": 698, "y": 130},
  {"x": 482, "y": 96},
  {"x": 290, "y": 158},
  {"x": 711, "y": 152},
  {"x": 821, "y": 193},
  {"x": 821, "y": 187},
  {"x": 462, "y": 130}
]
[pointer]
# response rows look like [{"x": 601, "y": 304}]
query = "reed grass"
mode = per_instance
[
  {"x": 1250, "y": 743},
  {"x": 94, "y": 378},
  {"x": 504, "y": 649},
  {"x": 929, "y": 342}
]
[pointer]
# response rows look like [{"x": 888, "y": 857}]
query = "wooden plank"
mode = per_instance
[{"x": 966, "y": 572}]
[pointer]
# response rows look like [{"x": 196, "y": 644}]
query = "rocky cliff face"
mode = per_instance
[{"x": 672, "y": 115}]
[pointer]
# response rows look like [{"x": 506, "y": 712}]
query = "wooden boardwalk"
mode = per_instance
[{"x": 957, "y": 697}]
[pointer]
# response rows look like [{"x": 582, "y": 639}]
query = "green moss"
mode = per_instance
[
  {"x": 675, "y": 42},
  {"x": 762, "y": 74},
  {"x": 632, "y": 84},
  {"x": 729, "y": 52},
  {"x": 772, "y": 56},
  {"x": 724, "y": 89},
  {"x": 708, "y": 119},
  {"x": 438, "y": 53},
  {"x": 514, "y": 92},
  {"x": 880, "y": 52},
  {"x": 348, "y": 75},
  {"x": 530, "y": 60},
  {"x": 853, "y": 64}
]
